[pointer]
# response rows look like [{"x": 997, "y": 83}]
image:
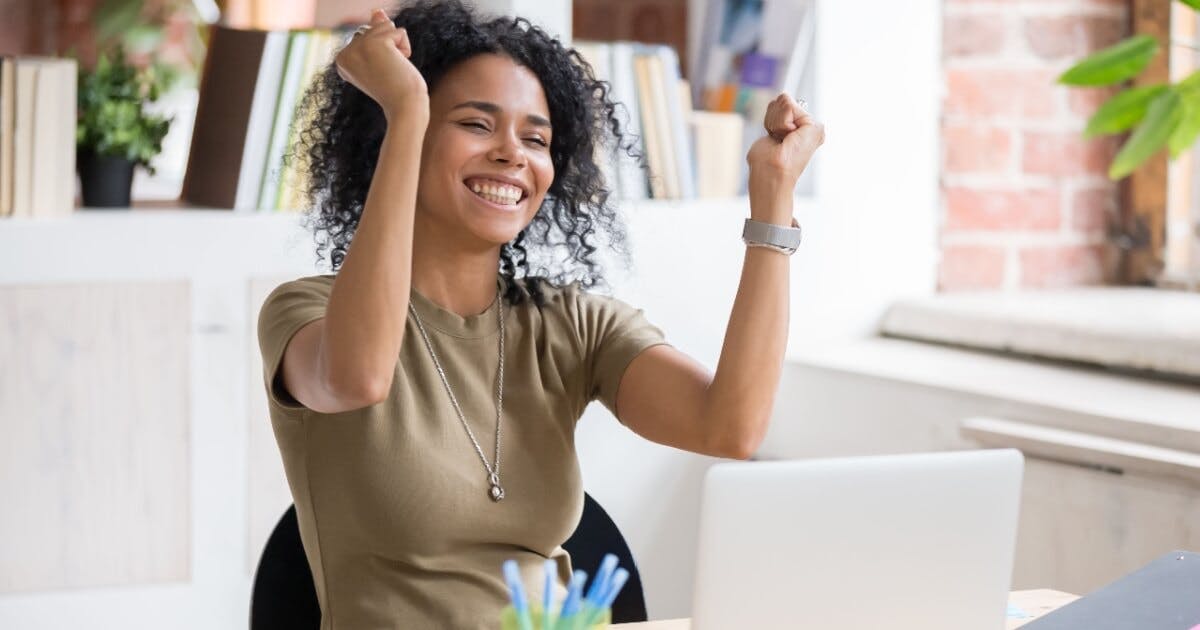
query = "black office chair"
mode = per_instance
[{"x": 284, "y": 597}]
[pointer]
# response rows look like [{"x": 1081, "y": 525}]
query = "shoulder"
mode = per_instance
[
  {"x": 300, "y": 299},
  {"x": 309, "y": 285}
]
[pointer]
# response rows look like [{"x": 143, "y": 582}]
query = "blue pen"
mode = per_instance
[
  {"x": 571, "y": 604},
  {"x": 599, "y": 586},
  {"x": 512, "y": 575},
  {"x": 600, "y": 582},
  {"x": 548, "y": 594},
  {"x": 619, "y": 577}
]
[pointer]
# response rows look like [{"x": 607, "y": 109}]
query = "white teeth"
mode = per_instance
[{"x": 498, "y": 193}]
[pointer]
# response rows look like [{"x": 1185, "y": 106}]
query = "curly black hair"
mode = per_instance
[{"x": 339, "y": 144}]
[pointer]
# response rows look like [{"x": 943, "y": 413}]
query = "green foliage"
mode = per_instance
[
  {"x": 1159, "y": 115},
  {"x": 1123, "y": 111},
  {"x": 112, "y": 116},
  {"x": 139, "y": 28},
  {"x": 1114, "y": 64}
]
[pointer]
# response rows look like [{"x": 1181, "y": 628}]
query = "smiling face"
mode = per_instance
[{"x": 485, "y": 165}]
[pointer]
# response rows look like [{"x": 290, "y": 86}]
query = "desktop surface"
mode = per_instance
[{"x": 1024, "y": 607}]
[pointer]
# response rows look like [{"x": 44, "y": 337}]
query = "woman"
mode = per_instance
[{"x": 424, "y": 399}]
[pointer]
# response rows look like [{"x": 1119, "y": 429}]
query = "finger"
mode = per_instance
[
  {"x": 799, "y": 114},
  {"x": 402, "y": 42},
  {"x": 806, "y": 138},
  {"x": 379, "y": 16},
  {"x": 778, "y": 119}
]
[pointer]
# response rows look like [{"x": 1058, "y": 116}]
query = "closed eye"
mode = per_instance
[
  {"x": 475, "y": 125},
  {"x": 538, "y": 141}
]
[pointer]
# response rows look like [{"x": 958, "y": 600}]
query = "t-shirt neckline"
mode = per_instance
[{"x": 451, "y": 323}]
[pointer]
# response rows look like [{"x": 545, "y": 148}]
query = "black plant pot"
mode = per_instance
[{"x": 105, "y": 180}]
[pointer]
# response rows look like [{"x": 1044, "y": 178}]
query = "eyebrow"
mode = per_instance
[{"x": 492, "y": 108}]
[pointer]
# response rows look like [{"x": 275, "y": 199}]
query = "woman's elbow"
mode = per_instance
[
  {"x": 741, "y": 443},
  {"x": 359, "y": 392}
]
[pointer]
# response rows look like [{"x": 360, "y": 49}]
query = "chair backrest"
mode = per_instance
[
  {"x": 284, "y": 597},
  {"x": 595, "y": 536}
]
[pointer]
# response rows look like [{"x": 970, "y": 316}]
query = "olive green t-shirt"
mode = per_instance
[{"x": 392, "y": 499}]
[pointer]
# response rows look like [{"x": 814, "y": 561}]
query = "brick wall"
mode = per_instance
[{"x": 1026, "y": 202}]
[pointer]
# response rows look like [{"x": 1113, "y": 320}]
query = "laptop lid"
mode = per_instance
[{"x": 899, "y": 541}]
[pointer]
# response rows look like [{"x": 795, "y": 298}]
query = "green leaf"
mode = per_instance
[
  {"x": 1195, "y": 4},
  {"x": 1188, "y": 129},
  {"x": 1189, "y": 87},
  {"x": 1113, "y": 64},
  {"x": 1122, "y": 111},
  {"x": 1164, "y": 115}
]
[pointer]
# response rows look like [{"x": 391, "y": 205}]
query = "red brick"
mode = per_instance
[
  {"x": 1092, "y": 209},
  {"x": 976, "y": 149},
  {"x": 979, "y": 92},
  {"x": 1002, "y": 210},
  {"x": 1071, "y": 36},
  {"x": 1060, "y": 266},
  {"x": 971, "y": 267},
  {"x": 972, "y": 35},
  {"x": 1067, "y": 153}
]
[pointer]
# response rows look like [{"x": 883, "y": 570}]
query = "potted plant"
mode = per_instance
[{"x": 115, "y": 133}]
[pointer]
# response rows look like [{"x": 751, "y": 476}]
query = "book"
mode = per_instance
[
  {"x": 262, "y": 115},
  {"x": 598, "y": 56},
  {"x": 26, "y": 86},
  {"x": 716, "y": 137},
  {"x": 661, "y": 122},
  {"x": 651, "y": 131},
  {"x": 233, "y": 117},
  {"x": 630, "y": 173},
  {"x": 751, "y": 51},
  {"x": 677, "y": 117},
  {"x": 66, "y": 99},
  {"x": 297, "y": 50},
  {"x": 1163, "y": 595},
  {"x": 291, "y": 195},
  {"x": 8, "y": 105}
]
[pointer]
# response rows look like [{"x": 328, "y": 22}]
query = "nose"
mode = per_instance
[{"x": 508, "y": 150}]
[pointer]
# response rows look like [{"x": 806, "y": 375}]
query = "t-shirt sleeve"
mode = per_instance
[
  {"x": 612, "y": 333},
  {"x": 286, "y": 310}
]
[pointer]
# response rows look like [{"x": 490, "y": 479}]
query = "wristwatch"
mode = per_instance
[{"x": 775, "y": 237}]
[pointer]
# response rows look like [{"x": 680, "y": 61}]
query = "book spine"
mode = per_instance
[
  {"x": 258, "y": 130},
  {"x": 624, "y": 94}
]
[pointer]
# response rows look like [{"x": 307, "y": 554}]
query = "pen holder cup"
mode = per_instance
[{"x": 508, "y": 620}]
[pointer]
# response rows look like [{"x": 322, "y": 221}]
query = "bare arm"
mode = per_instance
[
  {"x": 346, "y": 360},
  {"x": 669, "y": 397}
]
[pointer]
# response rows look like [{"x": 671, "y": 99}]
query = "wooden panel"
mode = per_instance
[
  {"x": 1144, "y": 215},
  {"x": 94, "y": 466},
  {"x": 268, "y": 492},
  {"x": 1081, "y": 529}
]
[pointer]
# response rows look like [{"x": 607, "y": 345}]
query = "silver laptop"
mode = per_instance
[{"x": 898, "y": 542}]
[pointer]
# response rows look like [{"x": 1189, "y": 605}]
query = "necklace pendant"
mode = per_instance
[{"x": 496, "y": 492}]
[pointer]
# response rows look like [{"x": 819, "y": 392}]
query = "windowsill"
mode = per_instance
[{"x": 1151, "y": 331}]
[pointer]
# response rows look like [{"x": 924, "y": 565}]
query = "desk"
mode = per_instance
[{"x": 1034, "y": 603}]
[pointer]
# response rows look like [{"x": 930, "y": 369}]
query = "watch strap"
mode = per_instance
[{"x": 777, "y": 237}]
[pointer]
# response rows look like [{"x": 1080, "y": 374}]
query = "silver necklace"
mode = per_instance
[{"x": 496, "y": 491}]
